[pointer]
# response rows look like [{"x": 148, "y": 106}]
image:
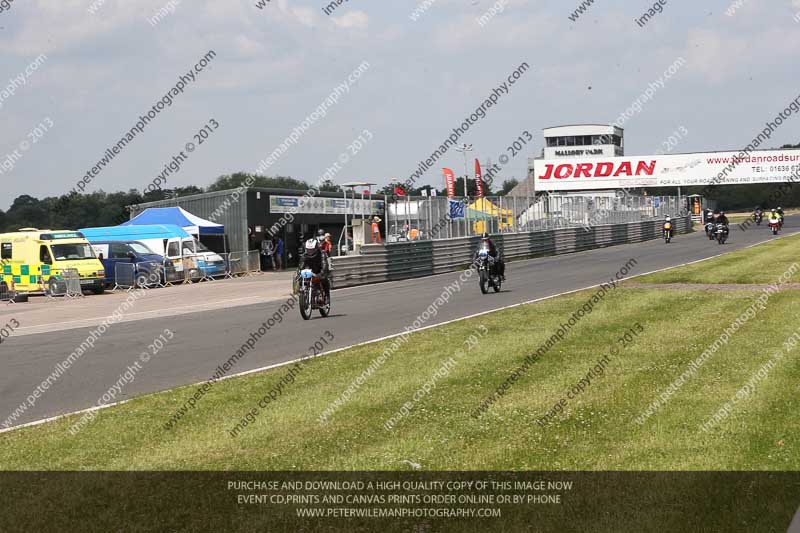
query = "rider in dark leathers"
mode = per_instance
[
  {"x": 499, "y": 263},
  {"x": 315, "y": 257}
]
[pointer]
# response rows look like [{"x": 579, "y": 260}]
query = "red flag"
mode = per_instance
[
  {"x": 478, "y": 178},
  {"x": 450, "y": 182},
  {"x": 398, "y": 190}
]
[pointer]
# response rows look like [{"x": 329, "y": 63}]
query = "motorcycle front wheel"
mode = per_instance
[
  {"x": 305, "y": 304},
  {"x": 482, "y": 282}
]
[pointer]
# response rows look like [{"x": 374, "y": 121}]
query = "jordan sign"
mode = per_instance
[{"x": 720, "y": 168}]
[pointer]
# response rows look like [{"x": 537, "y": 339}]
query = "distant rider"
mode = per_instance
[
  {"x": 773, "y": 215},
  {"x": 667, "y": 224},
  {"x": 487, "y": 243},
  {"x": 780, "y": 214}
]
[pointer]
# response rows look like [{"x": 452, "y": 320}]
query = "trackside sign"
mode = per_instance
[{"x": 721, "y": 168}]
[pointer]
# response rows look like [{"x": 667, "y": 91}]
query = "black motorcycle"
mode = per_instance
[
  {"x": 721, "y": 233},
  {"x": 487, "y": 271},
  {"x": 758, "y": 217}
]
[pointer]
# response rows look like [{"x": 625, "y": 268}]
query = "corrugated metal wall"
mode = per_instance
[{"x": 218, "y": 207}]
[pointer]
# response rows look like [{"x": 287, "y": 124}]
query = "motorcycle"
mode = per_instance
[
  {"x": 711, "y": 230},
  {"x": 667, "y": 232},
  {"x": 722, "y": 233},
  {"x": 487, "y": 271},
  {"x": 775, "y": 225},
  {"x": 311, "y": 295},
  {"x": 758, "y": 217}
]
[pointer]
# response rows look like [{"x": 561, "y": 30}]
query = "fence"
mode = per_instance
[
  {"x": 428, "y": 217},
  {"x": 7, "y": 294},
  {"x": 188, "y": 269},
  {"x": 66, "y": 284},
  {"x": 403, "y": 260}
]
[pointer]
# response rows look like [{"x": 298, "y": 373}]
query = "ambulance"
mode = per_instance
[{"x": 33, "y": 259}]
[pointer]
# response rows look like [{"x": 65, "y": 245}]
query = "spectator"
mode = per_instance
[
  {"x": 376, "y": 230},
  {"x": 267, "y": 251},
  {"x": 278, "y": 253}
]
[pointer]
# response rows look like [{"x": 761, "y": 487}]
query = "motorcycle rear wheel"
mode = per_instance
[{"x": 325, "y": 310}]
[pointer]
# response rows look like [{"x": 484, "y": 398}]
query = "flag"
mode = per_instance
[
  {"x": 478, "y": 178},
  {"x": 398, "y": 190},
  {"x": 450, "y": 182},
  {"x": 456, "y": 209}
]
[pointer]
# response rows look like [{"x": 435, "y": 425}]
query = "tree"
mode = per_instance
[
  {"x": 507, "y": 186},
  {"x": 241, "y": 178}
]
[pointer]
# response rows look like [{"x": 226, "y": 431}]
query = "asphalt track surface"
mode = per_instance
[{"x": 204, "y": 340}]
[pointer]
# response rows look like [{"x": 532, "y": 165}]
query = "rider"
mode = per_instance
[
  {"x": 722, "y": 219},
  {"x": 757, "y": 212},
  {"x": 780, "y": 214},
  {"x": 315, "y": 257},
  {"x": 487, "y": 243},
  {"x": 667, "y": 220}
]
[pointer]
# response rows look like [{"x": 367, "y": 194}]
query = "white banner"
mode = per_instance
[
  {"x": 324, "y": 206},
  {"x": 764, "y": 166}
]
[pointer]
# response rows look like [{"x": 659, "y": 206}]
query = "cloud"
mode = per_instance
[{"x": 352, "y": 19}]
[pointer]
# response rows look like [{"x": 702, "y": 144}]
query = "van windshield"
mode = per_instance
[
  {"x": 201, "y": 247},
  {"x": 69, "y": 252},
  {"x": 140, "y": 248}
]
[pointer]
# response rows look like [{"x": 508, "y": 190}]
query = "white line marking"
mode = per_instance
[{"x": 380, "y": 339}]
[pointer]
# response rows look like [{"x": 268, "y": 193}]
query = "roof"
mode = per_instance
[
  {"x": 267, "y": 190},
  {"x": 177, "y": 216},
  {"x": 134, "y": 233},
  {"x": 585, "y": 124}
]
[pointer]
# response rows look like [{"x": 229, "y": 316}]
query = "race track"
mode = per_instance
[{"x": 204, "y": 340}]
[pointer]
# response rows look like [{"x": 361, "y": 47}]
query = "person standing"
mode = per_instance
[
  {"x": 278, "y": 253},
  {"x": 267, "y": 251},
  {"x": 376, "y": 230}
]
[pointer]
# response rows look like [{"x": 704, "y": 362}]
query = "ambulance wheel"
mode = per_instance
[
  {"x": 98, "y": 290},
  {"x": 21, "y": 298},
  {"x": 56, "y": 287}
]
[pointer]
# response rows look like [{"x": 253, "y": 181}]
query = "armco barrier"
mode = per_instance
[{"x": 404, "y": 260}]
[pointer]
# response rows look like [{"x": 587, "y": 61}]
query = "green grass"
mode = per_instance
[
  {"x": 760, "y": 264},
  {"x": 597, "y": 431}
]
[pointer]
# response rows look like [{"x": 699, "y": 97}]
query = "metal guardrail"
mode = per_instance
[
  {"x": 188, "y": 269},
  {"x": 124, "y": 276},
  {"x": 66, "y": 284},
  {"x": 404, "y": 260},
  {"x": 7, "y": 294}
]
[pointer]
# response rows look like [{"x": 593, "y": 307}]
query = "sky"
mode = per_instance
[{"x": 104, "y": 63}]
